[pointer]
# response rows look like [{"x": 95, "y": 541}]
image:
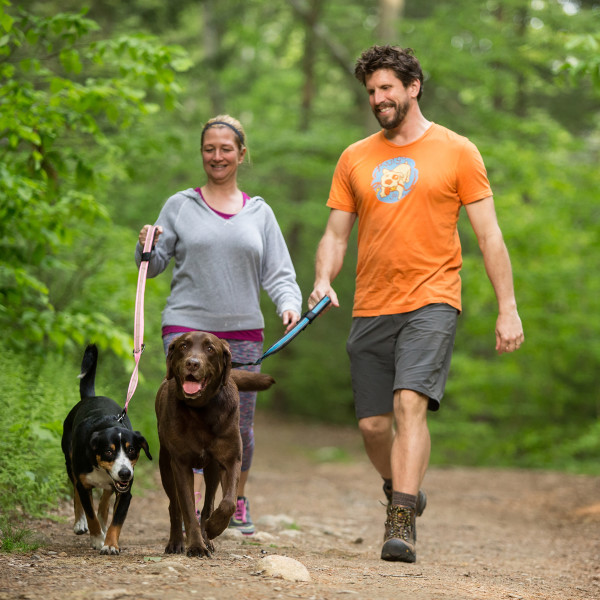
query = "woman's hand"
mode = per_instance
[
  {"x": 144, "y": 234},
  {"x": 290, "y": 318}
]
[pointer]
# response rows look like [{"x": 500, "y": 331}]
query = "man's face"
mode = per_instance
[{"x": 388, "y": 97}]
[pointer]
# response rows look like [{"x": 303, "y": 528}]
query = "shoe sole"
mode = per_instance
[
  {"x": 399, "y": 551},
  {"x": 242, "y": 528}
]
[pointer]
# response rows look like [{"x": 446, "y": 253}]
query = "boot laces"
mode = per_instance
[{"x": 399, "y": 523}]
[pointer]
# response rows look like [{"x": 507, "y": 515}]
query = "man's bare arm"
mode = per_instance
[
  {"x": 330, "y": 255},
  {"x": 509, "y": 330}
]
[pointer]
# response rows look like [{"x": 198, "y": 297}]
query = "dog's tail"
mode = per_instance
[
  {"x": 247, "y": 381},
  {"x": 87, "y": 388}
]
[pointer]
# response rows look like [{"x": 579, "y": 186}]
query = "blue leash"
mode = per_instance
[{"x": 306, "y": 319}]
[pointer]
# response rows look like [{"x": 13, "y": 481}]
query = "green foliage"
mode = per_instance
[
  {"x": 583, "y": 59},
  {"x": 57, "y": 154},
  {"x": 34, "y": 402},
  {"x": 65, "y": 94},
  {"x": 15, "y": 538}
]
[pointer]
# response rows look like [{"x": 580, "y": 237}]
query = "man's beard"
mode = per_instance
[{"x": 394, "y": 120}]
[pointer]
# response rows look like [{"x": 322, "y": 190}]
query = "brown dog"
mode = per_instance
[{"x": 197, "y": 411}]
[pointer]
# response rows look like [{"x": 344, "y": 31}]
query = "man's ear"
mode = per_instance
[{"x": 414, "y": 88}]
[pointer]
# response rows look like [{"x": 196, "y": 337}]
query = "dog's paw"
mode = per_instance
[
  {"x": 175, "y": 548},
  {"x": 109, "y": 550},
  {"x": 80, "y": 526},
  {"x": 207, "y": 541},
  {"x": 217, "y": 523},
  {"x": 97, "y": 541},
  {"x": 198, "y": 550}
]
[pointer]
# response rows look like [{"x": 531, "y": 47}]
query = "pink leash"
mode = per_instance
[{"x": 138, "y": 331}]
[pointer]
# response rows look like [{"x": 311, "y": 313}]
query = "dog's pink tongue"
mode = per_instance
[{"x": 191, "y": 387}]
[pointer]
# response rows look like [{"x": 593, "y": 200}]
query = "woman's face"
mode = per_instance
[{"x": 221, "y": 154}]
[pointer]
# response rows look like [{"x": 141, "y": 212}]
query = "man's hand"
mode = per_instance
[
  {"x": 319, "y": 293},
  {"x": 509, "y": 332}
]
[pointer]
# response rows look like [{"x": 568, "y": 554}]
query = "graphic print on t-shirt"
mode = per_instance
[{"x": 394, "y": 179}]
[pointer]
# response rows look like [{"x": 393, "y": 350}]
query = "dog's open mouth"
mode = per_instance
[
  {"x": 121, "y": 486},
  {"x": 191, "y": 386}
]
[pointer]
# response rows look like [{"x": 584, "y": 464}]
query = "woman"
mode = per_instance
[{"x": 226, "y": 245}]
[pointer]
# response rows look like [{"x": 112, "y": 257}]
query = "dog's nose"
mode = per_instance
[
  {"x": 125, "y": 474},
  {"x": 192, "y": 364}
]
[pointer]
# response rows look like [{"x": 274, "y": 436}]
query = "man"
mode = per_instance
[{"x": 406, "y": 185}]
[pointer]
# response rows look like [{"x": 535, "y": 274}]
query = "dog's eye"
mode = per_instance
[
  {"x": 109, "y": 454},
  {"x": 131, "y": 451},
  {"x": 210, "y": 349},
  {"x": 183, "y": 347}
]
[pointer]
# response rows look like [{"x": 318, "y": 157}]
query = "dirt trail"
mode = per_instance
[{"x": 486, "y": 534}]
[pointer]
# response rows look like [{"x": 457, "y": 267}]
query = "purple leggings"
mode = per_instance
[{"x": 241, "y": 351}]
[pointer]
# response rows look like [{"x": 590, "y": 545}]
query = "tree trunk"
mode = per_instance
[
  {"x": 390, "y": 14},
  {"x": 211, "y": 39}
]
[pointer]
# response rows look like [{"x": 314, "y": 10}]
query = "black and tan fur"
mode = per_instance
[{"x": 100, "y": 452}]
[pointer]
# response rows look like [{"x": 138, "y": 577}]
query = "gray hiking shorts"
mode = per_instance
[{"x": 403, "y": 351}]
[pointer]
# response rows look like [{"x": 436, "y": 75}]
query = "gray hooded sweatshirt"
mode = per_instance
[{"x": 221, "y": 264}]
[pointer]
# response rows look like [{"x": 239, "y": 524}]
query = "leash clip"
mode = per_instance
[{"x": 121, "y": 417}]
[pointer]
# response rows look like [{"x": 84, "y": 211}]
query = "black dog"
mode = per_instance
[{"x": 101, "y": 451}]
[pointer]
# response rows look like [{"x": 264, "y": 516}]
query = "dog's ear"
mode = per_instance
[
  {"x": 170, "y": 353},
  {"x": 140, "y": 440},
  {"x": 226, "y": 363},
  {"x": 95, "y": 441}
]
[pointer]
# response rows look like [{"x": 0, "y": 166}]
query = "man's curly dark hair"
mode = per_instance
[{"x": 402, "y": 61}]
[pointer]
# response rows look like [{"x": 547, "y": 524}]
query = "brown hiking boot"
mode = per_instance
[{"x": 399, "y": 541}]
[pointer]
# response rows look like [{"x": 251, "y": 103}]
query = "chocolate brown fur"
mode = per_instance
[{"x": 197, "y": 411}]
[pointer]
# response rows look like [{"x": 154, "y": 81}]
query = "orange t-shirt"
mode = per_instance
[{"x": 408, "y": 199}]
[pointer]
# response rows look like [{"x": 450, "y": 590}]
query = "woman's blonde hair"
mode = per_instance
[{"x": 231, "y": 123}]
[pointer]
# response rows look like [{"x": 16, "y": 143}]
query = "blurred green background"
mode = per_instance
[{"x": 101, "y": 110}]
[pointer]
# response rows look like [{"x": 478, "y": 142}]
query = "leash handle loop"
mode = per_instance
[
  {"x": 316, "y": 310},
  {"x": 138, "y": 331}
]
